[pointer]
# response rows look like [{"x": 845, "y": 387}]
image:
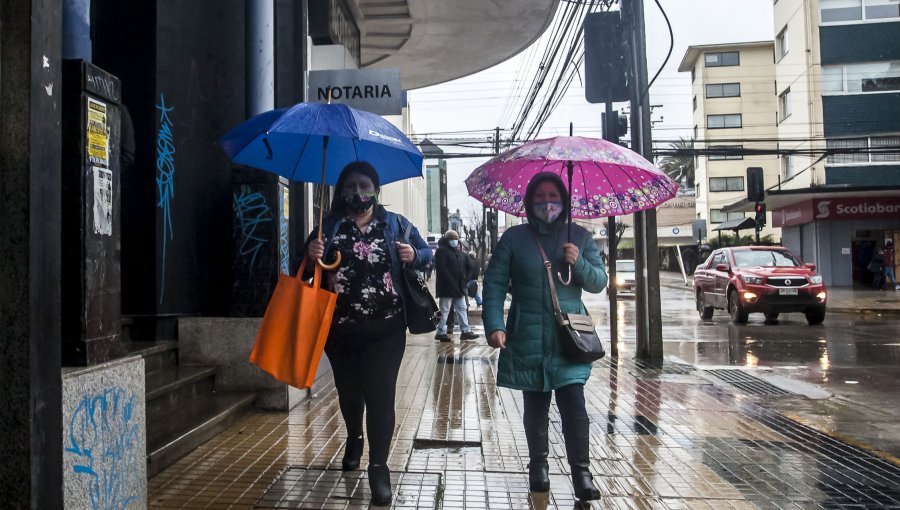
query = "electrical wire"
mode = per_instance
[{"x": 671, "y": 45}]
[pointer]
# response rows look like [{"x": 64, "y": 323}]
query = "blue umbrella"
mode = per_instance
[
  {"x": 313, "y": 142},
  {"x": 292, "y": 142}
]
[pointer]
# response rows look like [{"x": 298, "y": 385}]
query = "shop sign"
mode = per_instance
[
  {"x": 838, "y": 209},
  {"x": 373, "y": 90}
]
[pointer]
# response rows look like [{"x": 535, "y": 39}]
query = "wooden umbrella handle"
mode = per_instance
[{"x": 337, "y": 257}]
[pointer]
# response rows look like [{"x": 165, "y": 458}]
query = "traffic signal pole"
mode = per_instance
[
  {"x": 610, "y": 133},
  {"x": 648, "y": 313}
]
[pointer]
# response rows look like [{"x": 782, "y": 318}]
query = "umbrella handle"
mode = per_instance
[
  {"x": 337, "y": 257},
  {"x": 333, "y": 265},
  {"x": 568, "y": 279}
]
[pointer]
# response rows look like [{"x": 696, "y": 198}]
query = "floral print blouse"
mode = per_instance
[{"x": 363, "y": 282}]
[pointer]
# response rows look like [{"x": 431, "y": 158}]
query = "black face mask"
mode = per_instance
[{"x": 360, "y": 203}]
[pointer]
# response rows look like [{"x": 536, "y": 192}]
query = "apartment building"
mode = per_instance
[
  {"x": 837, "y": 79},
  {"x": 734, "y": 112}
]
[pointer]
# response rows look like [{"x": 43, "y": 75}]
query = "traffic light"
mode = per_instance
[
  {"x": 760, "y": 215},
  {"x": 605, "y": 58},
  {"x": 756, "y": 189},
  {"x": 619, "y": 126}
]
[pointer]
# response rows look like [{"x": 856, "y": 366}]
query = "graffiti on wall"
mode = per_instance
[
  {"x": 283, "y": 246},
  {"x": 252, "y": 211},
  {"x": 104, "y": 439},
  {"x": 165, "y": 181}
]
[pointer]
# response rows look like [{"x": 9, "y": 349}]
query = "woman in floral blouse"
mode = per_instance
[{"x": 368, "y": 330}]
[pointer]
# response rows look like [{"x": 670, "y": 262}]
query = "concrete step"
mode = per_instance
[
  {"x": 191, "y": 425},
  {"x": 170, "y": 388},
  {"x": 158, "y": 355}
]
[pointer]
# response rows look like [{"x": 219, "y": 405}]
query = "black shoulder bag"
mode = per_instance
[
  {"x": 422, "y": 313},
  {"x": 579, "y": 339}
]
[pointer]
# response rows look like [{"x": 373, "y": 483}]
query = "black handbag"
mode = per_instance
[
  {"x": 422, "y": 313},
  {"x": 579, "y": 339}
]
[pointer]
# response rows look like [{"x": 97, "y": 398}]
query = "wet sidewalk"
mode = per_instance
[{"x": 660, "y": 438}]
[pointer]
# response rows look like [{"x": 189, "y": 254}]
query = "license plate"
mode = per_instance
[{"x": 787, "y": 292}]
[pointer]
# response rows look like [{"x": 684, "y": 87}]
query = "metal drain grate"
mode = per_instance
[
  {"x": 299, "y": 487},
  {"x": 748, "y": 383}
]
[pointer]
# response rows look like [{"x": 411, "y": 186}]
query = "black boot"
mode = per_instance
[
  {"x": 577, "y": 436},
  {"x": 380, "y": 485},
  {"x": 538, "y": 468},
  {"x": 352, "y": 453}
]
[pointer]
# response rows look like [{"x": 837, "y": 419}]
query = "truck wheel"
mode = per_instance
[
  {"x": 814, "y": 317},
  {"x": 735, "y": 310}
]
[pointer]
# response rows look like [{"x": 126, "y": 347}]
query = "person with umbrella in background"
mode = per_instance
[
  {"x": 530, "y": 358},
  {"x": 368, "y": 334}
]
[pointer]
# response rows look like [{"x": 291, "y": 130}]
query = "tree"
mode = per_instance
[{"x": 678, "y": 161}]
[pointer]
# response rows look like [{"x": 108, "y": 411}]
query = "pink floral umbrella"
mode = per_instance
[{"x": 605, "y": 180}]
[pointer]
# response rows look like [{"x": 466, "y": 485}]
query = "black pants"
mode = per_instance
[
  {"x": 570, "y": 400},
  {"x": 365, "y": 361}
]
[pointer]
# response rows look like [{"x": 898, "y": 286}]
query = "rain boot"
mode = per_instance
[
  {"x": 538, "y": 467},
  {"x": 380, "y": 485},
  {"x": 352, "y": 453},
  {"x": 577, "y": 436}
]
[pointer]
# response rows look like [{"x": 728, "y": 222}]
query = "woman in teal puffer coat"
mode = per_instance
[{"x": 531, "y": 358}]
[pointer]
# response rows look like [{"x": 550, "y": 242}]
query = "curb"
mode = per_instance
[
  {"x": 842, "y": 438},
  {"x": 865, "y": 311}
]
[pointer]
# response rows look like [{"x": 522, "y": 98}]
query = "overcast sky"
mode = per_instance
[{"x": 482, "y": 101}]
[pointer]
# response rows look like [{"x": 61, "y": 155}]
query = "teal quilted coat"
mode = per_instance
[{"x": 533, "y": 359}]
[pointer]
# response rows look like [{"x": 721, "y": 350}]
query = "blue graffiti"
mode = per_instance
[
  {"x": 283, "y": 248},
  {"x": 104, "y": 437},
  {"x": 252, "y": 211},
  {"x": 165, "y": 180}
]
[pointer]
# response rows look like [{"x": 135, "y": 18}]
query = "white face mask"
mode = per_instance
[
  {"x": 454, "y": 243},
  {"x": 547, "y": 211}
]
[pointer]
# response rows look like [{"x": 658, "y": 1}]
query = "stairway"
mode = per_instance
[{"x": 184, "y": 410}]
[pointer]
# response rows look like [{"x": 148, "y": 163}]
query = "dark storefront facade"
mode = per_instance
[{"x": 839, "y": 230}]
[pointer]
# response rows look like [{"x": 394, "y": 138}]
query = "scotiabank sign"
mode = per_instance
[{"x": 836, "y": 210}]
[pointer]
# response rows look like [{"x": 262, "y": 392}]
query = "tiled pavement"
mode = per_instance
[{"x": 660, "y": 439}]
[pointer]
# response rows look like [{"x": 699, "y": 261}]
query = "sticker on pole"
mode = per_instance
[{"x": 103, "y": 207}]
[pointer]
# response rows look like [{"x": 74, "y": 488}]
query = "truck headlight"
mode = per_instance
[
  {"x": 753, "y": 280},
  {"x": 815, "y": 279}
]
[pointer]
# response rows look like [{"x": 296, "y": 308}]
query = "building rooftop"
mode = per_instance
[{"x": 694, "y": 52}]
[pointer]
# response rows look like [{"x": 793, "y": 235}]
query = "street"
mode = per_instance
[{"x": 853, "y": 359}]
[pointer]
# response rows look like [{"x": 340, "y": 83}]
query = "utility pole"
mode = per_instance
[
  {"x": 648, "y": 313},
  {"x": 495, "y": 221}
]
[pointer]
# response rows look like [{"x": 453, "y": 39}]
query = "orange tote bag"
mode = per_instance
[{"x": 292, "y": 336}]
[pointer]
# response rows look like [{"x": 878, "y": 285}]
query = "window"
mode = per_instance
[
  {"x": 695, "y": 103},
  {"x": 863, "y": 151},
  {"x": 881, "y": 9},
  {"x": 868, "y": 78},
  {"x": 784, "y": 104},
  {"x": 726, "y": 184},
  {"x": 788, "y": 166},
  {"x": 726, "y": 152},
  {"x": 718, "y": 216},
  {"x": 732, "y": 120},
  {"x": 723, "y": 90},
  {"x": 693, "y": 75},
  {"x": 885, "y": 148},
  {"x": 841, "y": 11},
  {"x": 722, "y": 59},
  {"x": 781, "y": 44}
]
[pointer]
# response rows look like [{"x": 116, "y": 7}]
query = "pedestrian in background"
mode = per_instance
[
  {"x": 887, "y": 253},
  {"x": 368, "y": 332},
  {"x": 531, "y": 359},
  {"x": 450, "y": 286}
]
